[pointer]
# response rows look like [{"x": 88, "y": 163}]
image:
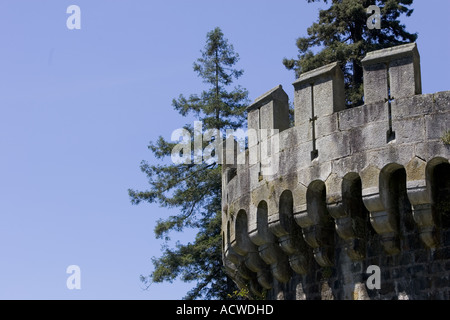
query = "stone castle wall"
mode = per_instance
[{"x": 351, "y": 188}]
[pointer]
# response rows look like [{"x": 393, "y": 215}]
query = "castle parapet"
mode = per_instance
[
  {"x": 392, "y": 73},
  {"x": 348, "y": 187}
]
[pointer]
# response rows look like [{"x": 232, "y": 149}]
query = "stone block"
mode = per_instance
[
  {"x": 431, "y": 149},
  {"x": 355, "y": 162},
  {"x": 392, "y": 153},
  {"x": 403, "y": 65},
  {"x": 253, "y": 119},
  {"x": 326, "y": 125},
  {"x": 437, "y": 125},
  {"x": 254, "y": 155},
  {"x": 244, "y": 181},
  {"x": 404, "y": 77},
  {"x": 371, "y": 136},
  {"x": 303, "y": 132},
  {"x": 362, "y": 115},
  {"x": 254, "y": 174},
  {"x": 242, "y": 158},
  {"x": 292, "y": 137},
  {"x": 375, "y": 83},
  {"x": 334, "y": 146},
  {"x": 233, "y": 190},
  {"x": 323, "y": 87},
  {"x": 273, "y": 109},
  {"x": 302, "y": 102},
  {"x": 303, "y": 154},
  {"x": 409, "y": 130},
  {"x": 288, "y": 161},
  {"x": 412, "y": 106},
  {"x": 316, "y": 171},
  {"x": 442, "y": 101}
]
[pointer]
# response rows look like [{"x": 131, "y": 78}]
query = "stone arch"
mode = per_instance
[
  {"x": 397, "y": 207},
  {"x": 399, "y": 196},
  {"x": 318, "y": 227},
  {"x": 290, "y": 234},
  {"x": 259, "y": 230},
  {"x": 233, "y": 262},
  {"x": 268, "y": 247},
  {"x": 316, "y": 200},
  {"x": 286, "y": 211},
  {"x": 228, "y": 250},
  {"x": 354, "y": 225},
  {"x": 244, "y": 247},
  {"x": 262, "y": 225},
  {"x": 242, "y": 243},
  {"x": 438, "y": 177},
  {"x": 352, "y": 193}
]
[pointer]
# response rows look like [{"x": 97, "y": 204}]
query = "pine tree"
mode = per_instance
[
  {"x": 195, "y": 188},
  {"x": 342, "y": 35}
]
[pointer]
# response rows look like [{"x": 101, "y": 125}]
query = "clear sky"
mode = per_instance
[{"x": 78, "y": 108}]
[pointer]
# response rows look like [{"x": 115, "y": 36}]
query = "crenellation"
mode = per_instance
[
  {"x": 323, "y": 88},
  {"x": 270, "y": 111},
  {"x": 336, "y": 194},
  {"x": 413, "y": 106},
  {"x": 392, "y": 73}
]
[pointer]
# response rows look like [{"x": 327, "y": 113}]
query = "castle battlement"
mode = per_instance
[{"x": 352, "y": 187}]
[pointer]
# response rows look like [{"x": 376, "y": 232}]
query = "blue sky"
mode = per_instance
[{"x": 78, "y": 108}]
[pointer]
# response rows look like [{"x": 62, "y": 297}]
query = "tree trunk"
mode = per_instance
[{"x": 217, "y": 104}]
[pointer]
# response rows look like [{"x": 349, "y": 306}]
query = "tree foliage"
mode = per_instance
[
  {"x": 341, "y": 34},
  {"x": 194, "y": 189}
]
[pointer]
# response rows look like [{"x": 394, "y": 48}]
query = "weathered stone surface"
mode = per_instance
[
  {"x": 327, "y": 125},
  {"x": 375, "y": 83},
  {"x": 412, "y": 106},
  {"x": 321, "y": 89},
  {"x": 442, "y": 101},
  {"x": 362, "y": 115},
  {"x": 404, "y": 77},
  {"x": 409, "y": 130},
  {"x": 311, "y": 229},
  {"x": 270, "y": 111},
  {"x": 401, "y": 64}
]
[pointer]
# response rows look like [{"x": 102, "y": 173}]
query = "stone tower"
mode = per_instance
[{"x": 347, "y": 189}]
